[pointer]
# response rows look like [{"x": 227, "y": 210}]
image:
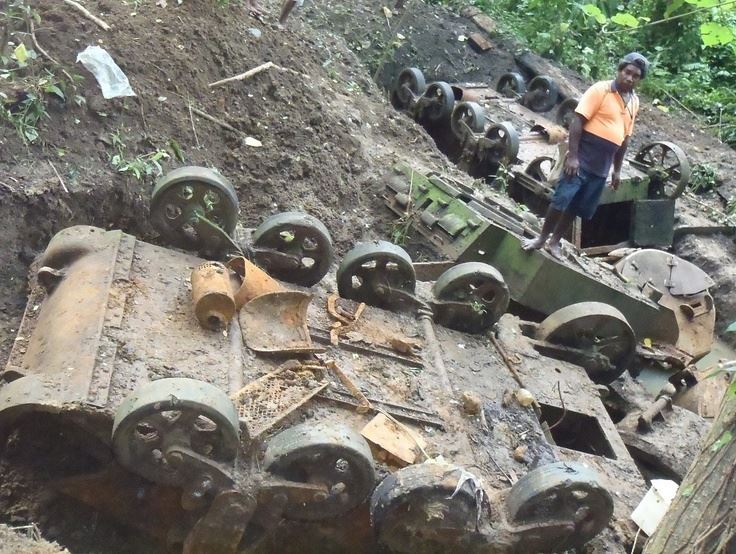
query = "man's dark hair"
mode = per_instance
[{"x": 634, "y": 58}]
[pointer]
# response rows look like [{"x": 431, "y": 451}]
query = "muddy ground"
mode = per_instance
[{"x": 327, "y": 131}]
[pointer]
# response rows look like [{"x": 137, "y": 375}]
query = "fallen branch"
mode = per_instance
[
  {"x": 213, "y": 119},
  {"x": 247, "y": 75},
  {"x": 191, "y": 119},
  {"x": 61, "y": 181},
  {"x": 81, "y": 9},
  {"x": 36, "y": 45}
]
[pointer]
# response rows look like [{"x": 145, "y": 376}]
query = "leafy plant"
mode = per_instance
[
  {"x": 140, "y": 166},
  {"x": 702, "y": 178}
]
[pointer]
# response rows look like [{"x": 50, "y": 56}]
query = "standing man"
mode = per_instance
[{"x": 599, "y": 136}]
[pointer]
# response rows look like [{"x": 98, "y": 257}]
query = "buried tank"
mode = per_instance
[
  {"x": 501, "y": 133},
  {"x": 306, "y": 421}
]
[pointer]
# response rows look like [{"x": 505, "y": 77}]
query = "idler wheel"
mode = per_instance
[
  {"x": 333, "y": 455},
  {"x": 667, "y": 166},
  {"x": 467, "y": 118},
  {"x": 441, "y": 100},
  {"x": 301, "y": 237},
  {"x": 502, "y": 143},
  {"x": 178, "y": 412},
  {"x": 596, "y": 328}
]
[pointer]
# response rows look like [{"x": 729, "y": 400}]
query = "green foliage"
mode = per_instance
[
  {"x": 703, "y": 178},
  {"x": 691, "y": 44},
  {"x": 140, "y": 166}
]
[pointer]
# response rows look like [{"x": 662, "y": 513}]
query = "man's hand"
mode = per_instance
[
  {"x": 615, "y": 180},
  {"x": 571, "y": 166}
]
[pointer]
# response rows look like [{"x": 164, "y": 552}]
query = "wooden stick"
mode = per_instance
[
  {"x": 220, "y": 122},
  {"x": 81, "y": 9},
  {"x": 247, "y": 75},
  {"x": 59, "y": 177},
  {"x": 38, "y": 47},
  {"x": 191, "y": 119}
]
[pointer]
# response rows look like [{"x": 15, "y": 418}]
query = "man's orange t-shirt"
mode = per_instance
[{"x": 608, "y": 116}]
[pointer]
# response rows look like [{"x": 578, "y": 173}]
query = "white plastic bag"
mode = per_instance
[{"x": 110, "y": 77}]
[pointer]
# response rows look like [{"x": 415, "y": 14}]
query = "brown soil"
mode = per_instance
[{"x": 327, "y": 131}]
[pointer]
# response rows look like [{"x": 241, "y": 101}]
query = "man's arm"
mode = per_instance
[
  {"x": 576, "y": 131},
  {"x": 618, "y": 160}
]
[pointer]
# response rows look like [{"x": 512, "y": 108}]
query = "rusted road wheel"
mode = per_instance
[
  {"x": 426, "y": 508},
  {"x": 667, "y": 166},
  {"x": 565, "y": 112},
  {"x": 501, "y": 143},
  {"x": 561, "y": 491},
  {"x": 599, "y": 331},
  {"x": 410, "y": 84},
  {"x": 541, "y": 94},
  {"x": 174, "y": 412},
  {"x": 195, "y": 208},
  {"x": 467, "y": 118},
  {"x": 511, "y": 85},
  {"x": 476, "y": 296},
  {"x": 294, "y": 247},
  {"x": 540, "y": 168},
  {"x": 372, "y": 271},
  {"x": 333, "y": 455},
  {"x": 440, "y": 102}
]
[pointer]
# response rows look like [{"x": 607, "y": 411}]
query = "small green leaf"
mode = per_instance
[
  {"x": 687, "y": 491},
  {"x": 625, "y": 19},
  {"x": 53, "y": 89},
  {"x": 674, "y": 5},
  {"x": 723, "y": 440},
  {"x": 595, "y": 12},
  {"x": 715, "y": 34},
  {"x": 21, "y": 54},
  {"x": 178, "y": 152},
  {"x": 31, "y": 133}
]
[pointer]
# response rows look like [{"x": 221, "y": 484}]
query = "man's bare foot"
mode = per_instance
[
  {"x": 555, "y": 249},
  {"x": 532, "y": 244}
]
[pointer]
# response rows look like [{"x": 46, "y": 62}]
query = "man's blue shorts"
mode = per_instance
[{"x": 578, "y": 195}]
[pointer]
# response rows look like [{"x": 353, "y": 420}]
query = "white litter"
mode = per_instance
[
  {"x": 110, "y": 77},
  {"x": 654, "y": 505}
]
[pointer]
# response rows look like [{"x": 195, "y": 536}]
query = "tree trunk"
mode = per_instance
[{"x": 702, "y": 517}]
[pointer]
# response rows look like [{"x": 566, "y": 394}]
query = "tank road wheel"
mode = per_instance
[
  {"x": 440, "y": 99},
  {"x": 410, "y": 84},
  {"x": 467, "y": 118},
  {"x": 598, "y": 329},
  {"x": 174, "y": 412},
  {"x": 667, "y": 166},
  {"x": 502, "y": 144},
  {"x": 425, "y": 508},
  {"x": 189, "y": 204},
  {"x": 511, "y": 85},
  {"x": 541, "y": 94},
  {"x": 331, "y": 455},
  {"x": 540, "y": 168},
  {"x": 477, "y": 296},
  {"x": 294, "y": 247},
  {"x": 372, "y": 271},
  {"x": 561, "y": 491},
  {"x": 566, "y": 111}
]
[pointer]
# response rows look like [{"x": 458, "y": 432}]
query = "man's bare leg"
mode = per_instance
[
  {"x": 560, "y": 229},
  {"x": 253, "y": 8},
  {"x": 551, "y": 219},
  {"x": 286, "y": 8}
]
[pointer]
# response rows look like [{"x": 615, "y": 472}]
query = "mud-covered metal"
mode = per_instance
[
  {"x": 174, "y": 412},
  {"x": 195, "y": 208},
  {"x": 467, "y": 118},
  {"x": 566, "y": 111},
  {"x": 335, "y": 457},
  {"x": 376, "y": 273},
  {"x": 437, "y": 102},
  {"x": 276, "y": 322},
  {"x": 541, "y": 94},
  {"x": 511, "y": 85},
  {"x": 409, "y": 85},
  {"x": 212, "y": 295},
  {"x": 294, "y": 247},
  {"x": 598, "y": 336}
]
